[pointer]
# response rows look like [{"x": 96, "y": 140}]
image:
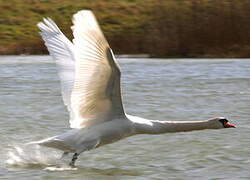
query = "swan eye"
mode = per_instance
[{"x": 223, "y": 121}]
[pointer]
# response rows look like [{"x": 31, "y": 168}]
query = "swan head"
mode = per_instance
[{"x": 222, "y": 122}]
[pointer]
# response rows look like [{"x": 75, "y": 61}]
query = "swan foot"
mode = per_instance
[{"x": 72, "y": 163}]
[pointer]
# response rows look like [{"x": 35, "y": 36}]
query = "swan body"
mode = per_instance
[
  {"x": 79, "y": 140},
  {"x": 90, "y": 81}
]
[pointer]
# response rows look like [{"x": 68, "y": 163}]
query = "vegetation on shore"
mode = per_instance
[{"x": 177, "y": 28}]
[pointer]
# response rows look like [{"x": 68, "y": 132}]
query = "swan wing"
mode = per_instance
[
  {"x": 62, "y": 51},
  {"x": 96, "y": 95},
  {"x": 89, "y": 74}
]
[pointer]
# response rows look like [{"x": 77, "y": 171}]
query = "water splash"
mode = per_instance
[
  {"x": 61, "y": 168},
  {"x": 32, "y": 156}
]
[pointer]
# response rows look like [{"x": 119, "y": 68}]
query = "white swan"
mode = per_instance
[{"x": 90, "y": 80}]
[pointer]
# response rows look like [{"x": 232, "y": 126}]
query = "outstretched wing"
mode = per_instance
[
  {"x": 62, "y": 51},
  {"x": 92, "y": 93},
  {"x": 96, "y": 94}
]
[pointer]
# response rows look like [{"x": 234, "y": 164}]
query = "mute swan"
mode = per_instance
[{"x": 90, "y": 81}]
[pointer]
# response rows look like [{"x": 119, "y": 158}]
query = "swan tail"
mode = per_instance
[
  {"x": 54, "y": 142},
  {"x": 72, "y": 141}
]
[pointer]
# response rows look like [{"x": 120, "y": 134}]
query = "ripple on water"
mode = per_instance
[{"x": 31, "y": 109}]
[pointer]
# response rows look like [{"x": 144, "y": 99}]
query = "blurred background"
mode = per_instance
[{"x": 159, "y": 28}]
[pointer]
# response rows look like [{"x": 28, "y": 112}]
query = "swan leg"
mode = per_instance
[
  {"x": 64, "y": 155},
  {"x": 72, "y": 163}
]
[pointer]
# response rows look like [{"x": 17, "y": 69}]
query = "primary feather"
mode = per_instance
[{"x": 62, "y": 51}]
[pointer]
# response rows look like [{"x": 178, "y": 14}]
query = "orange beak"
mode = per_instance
[{"x": 228, "y": 125}]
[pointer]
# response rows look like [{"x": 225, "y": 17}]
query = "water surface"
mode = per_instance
[{"x": 31, "y": 108}]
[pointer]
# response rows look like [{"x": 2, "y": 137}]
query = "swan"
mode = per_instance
[{"x": 90, "y": 84}]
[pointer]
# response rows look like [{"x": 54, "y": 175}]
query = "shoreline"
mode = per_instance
[{"x": 145, "y": 56}]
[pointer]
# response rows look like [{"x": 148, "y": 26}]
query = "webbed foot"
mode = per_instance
[{"x": 72, "y": 163}]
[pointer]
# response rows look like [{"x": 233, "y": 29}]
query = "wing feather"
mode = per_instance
[
  {"x": 62, "y": 51},
  {"x": 96, "y": 95}
]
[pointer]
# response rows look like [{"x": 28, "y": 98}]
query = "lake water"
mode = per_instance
[{"x": 31, "y": 108}]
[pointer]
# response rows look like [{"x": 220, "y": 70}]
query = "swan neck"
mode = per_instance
[{"x": 158, "y": 127}]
